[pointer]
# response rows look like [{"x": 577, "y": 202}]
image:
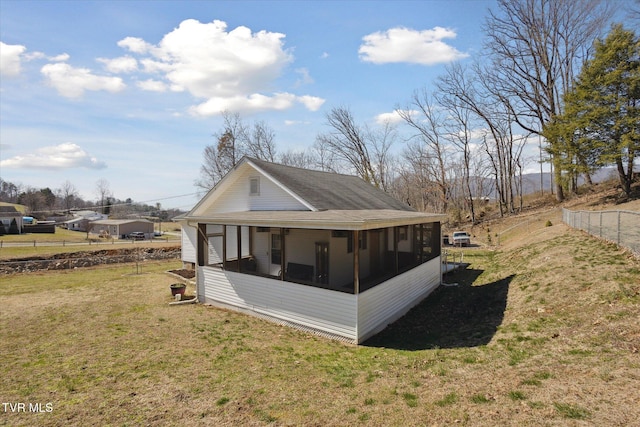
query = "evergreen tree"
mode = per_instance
[
  {"x": 13, "y": 227},
  {"x": 601, "y": 122}
]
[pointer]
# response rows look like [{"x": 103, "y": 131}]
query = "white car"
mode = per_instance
[{"x": 461, "y": 238}]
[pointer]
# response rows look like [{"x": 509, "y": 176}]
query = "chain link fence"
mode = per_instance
[{"x": 620, "y": 227}]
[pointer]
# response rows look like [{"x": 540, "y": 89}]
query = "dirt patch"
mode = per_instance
[
  {"x": 66, "y": 261},
  {"x": 185, "y": 273}
]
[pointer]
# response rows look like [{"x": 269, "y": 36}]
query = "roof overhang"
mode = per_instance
[{"x": 328, "y": 220}]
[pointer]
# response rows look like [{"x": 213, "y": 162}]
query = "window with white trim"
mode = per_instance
[{"x": 254, "y": 186}]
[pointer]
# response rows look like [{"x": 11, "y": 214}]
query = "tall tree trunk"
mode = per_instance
[
  {"x": 625, "y": 178},
  {"x": 557, "y": 177}
]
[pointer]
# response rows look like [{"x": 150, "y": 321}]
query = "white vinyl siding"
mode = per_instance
[
  {"x": 189, "y": 242},
  {"x": 383, "y": 304},
  {"x": 237, "y": 197},
  {"x": 319, "y": 309},
  {"x": 355, "y": 317}
]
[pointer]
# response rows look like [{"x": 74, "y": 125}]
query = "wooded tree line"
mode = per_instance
[
  {"x": 546, "y": 74},
  {"x": 45, "y": 202}
]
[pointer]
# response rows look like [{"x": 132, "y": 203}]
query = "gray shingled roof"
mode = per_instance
[
  {"x": 331, "y": 191},
  {"x": 9, "y": 211}
]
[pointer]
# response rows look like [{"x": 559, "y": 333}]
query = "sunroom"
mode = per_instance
[
  {"x": 351, "y": 259},
  {"x": 319, "y": 251}
]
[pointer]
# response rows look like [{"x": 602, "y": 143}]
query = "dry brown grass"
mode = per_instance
[{"x": 541, "y": 331}]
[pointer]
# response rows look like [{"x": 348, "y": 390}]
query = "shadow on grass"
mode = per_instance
[{"x": 451, "y": 317}]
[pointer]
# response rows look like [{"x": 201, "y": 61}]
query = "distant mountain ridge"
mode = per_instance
[{"x": 531, "y": 182}]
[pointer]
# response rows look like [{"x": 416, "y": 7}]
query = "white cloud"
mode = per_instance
[
  {"x": 152, "y": 85},
  {"x": 324, "y": 55},
  {"x": 393, "y": 117},
  {"x": 10, "y": 61},
  {"x": 255, "y": 103},
  {"x": 406, "y": 45},
  {"x": 231, "y": 70},
  {"x": 312, "y": 103},
  {"x": 209, "y": 61},
  {"x": 31, "y": 56},
  {"x": 59, "y": 58},
  {"x": 123, "y": 64},
  {"x": 62, "y": 156},
  {"x": 151, "y": 66},
  {"x": 305, "y": 77},
  {"x": 135, "y": 44},
  {"x": 72, "y": 82}
]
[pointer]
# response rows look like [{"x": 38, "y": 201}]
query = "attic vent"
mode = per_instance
[{"x": 254, "y": 186}]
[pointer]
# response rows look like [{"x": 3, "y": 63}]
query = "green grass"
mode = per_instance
[
  {"x": 43, "y": 249},
  {"x": 516, "y": 395},
  {"x": 479, "y": 398},
  {"x": 449, "y": 399},
  {"x": 574, "y": 412}
]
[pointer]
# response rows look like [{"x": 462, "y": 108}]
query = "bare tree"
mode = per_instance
[
  {"x": 235, "y": 140},
  {"x": 104, "y": 194},
  {"x": 299, "y": 159},
  {"x": 536, "y": 47},
  {"x": 323, "y": 158},
  {"x": 382, "y": 140},
  {"x": 363, "y": 150},
  {"x": 427, "y": 119},
  {"x": 474, "y": 91},
  {"x": 633, "y": 10},
  {"x": 416, "y": 184},
  {"x": 67, "y": 194},
  {"x": 258, "y": 142},
  {"x": 459, "y": 127}
]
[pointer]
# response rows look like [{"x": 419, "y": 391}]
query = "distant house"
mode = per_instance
[
  {"x": 120, "y": 228},
  {"x": 81, "y": 220},
  {"x": 319, "y": 251},
  {"x": 11, "y": 220}
]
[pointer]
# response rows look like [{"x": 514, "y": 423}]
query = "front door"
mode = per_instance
[{"x": 322, "y": 262}]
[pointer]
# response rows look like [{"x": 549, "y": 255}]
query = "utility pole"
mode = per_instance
[{"x": 541, "y": 176}]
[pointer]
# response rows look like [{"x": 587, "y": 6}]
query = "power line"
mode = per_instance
[{"x": 127, "y": 204}]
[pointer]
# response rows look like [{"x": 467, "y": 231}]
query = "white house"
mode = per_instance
[
  {"x": 81, "y": 220},
  {"x": 320, "y": 251}
]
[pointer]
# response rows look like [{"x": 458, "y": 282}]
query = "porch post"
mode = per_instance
[
  {"x": 395, "y": 250},
  {"x": 224, "y": 246},
  {"x": 282, "y": 253},
  {"x": 421, "y": 244},
  {"x": 356, "y": 261},
  {"x": 202, "y": 244},
  {"x": 239, "y": 246}
]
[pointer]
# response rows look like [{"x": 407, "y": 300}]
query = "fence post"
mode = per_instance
[
  {"x": 581, "y": 227},
  {"x": 600, "y": 234},
  {"x": 619, "y": 223}
]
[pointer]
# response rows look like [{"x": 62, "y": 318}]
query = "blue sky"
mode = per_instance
[{"x": 131, "y": 91}]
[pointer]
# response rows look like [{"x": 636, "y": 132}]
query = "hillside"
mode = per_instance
[
  {"x": 516, "y": 230},
  {"x": 540, "y": 330}
]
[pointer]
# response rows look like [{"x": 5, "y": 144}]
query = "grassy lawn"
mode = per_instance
[{"x": 545, "y": 333}]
